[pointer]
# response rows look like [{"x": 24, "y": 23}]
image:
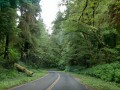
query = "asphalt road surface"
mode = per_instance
[{"x": 53, "y": 81}]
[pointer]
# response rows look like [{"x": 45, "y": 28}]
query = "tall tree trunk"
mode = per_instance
[
  {"x": 93, "y": 13},
  {"x": 6, "y": 52},
  {"x": 24, "y": 52}
]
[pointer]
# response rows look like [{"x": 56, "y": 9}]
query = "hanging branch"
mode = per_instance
[{"x": 86, "y": 4}]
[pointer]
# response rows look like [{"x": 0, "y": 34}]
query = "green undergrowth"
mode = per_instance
[
  {"x": 96, "y": 84},
  {"x": 11, "y": 78},
  {"x": 108, "y": 72}
]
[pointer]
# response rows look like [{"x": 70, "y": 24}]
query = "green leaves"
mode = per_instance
[
  {"x": 107, "y": 72},
  {"x": 4, "y": 3}
]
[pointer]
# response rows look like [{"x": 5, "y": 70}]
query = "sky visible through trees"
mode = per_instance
[{"x": 49, "y": 11}]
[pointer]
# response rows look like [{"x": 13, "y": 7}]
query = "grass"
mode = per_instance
[
  {"x": 12, "y": 78},
  {"x": 96, "y": 84}
]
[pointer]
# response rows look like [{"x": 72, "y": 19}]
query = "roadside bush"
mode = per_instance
[
  {"x": 7, "y": 74},
  {"x": 14, "y": 55},
  {"x": 107, "y": 72},
  {"x": 117, "y": 75}
]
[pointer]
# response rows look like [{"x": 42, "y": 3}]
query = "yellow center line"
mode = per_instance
[{"x": 53, "y": 84}]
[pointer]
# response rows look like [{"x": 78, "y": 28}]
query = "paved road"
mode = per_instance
[{"x": 53, "y": 81}]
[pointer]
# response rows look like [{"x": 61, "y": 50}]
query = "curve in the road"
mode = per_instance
[
  {"x": 53, "y": 81},
  {"x": 67, "y": 82},
  {"x": 40, "y": 84},
  {"x": 53, "y": 84}
]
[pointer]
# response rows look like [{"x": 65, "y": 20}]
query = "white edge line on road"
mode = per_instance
[
  {"x": 27, "y": 82},
  {"x": 54, "y": 83}
]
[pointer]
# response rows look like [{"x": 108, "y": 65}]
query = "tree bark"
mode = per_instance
[
  {"x": 6, "y": 52},
  {"x": 23, "y": 69}
]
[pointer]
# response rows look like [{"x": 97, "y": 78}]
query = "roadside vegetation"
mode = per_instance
[
  {"x": 12, "y": 78},
  {"x": 107, "y": 72},
  {"x": 86, "y": 41},
  {"x": 100, "y": 77},
  {"x": 93, "y": 83},
  {"x": 23, "y": 40}
]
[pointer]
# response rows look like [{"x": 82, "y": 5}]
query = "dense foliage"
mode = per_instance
[
  {"x": 22, "y": 33},
  {"x": 107, "y": 72},
  {"x": 86, "y": 34}
]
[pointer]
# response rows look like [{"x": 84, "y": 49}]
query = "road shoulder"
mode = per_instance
[{"x": 94, "y": 83}]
